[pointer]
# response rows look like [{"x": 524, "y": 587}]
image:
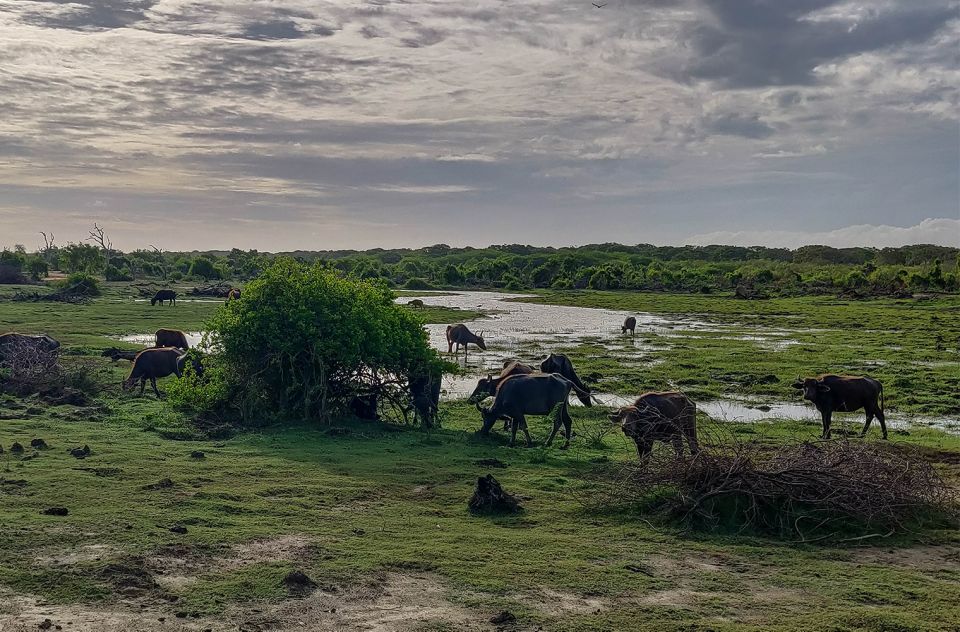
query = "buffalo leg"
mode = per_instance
[
  {"x": 556, "y": 427},
  {"x": 567, "y": 425},
  {"x": 643, "y": 448},
  {"x": 866, "y": 424},
  {"x": 153, "y": 383},
  {"x": 826, "y": 424},
  {"x": 692, "y": 440},
  {"x": 526, "y": 431},
  {"x": 143, "y": 384},
  {"x": 677, "y": 442},
  {"x": 513, "y": 430},
  {"x": 883, "y": 422}
]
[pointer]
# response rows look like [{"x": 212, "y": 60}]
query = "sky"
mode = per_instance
[{"x": 296, "y": 124}]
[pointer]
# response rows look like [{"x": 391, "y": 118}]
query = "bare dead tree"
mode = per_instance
[
  {"x": 99, "y": 237},
  {"x": 48, "y": 242}
]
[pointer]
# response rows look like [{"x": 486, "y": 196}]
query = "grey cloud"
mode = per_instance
[
  {"x": 739, "y": 125},
  {"x": 770, "y": 42},
  {"x": 89, "y": 14}
]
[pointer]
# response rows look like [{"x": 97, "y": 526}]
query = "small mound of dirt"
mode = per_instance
[
  {"x": 489, "y": 497},
  {"x": 178, "y": 528},
  {"x": 80, "y": 453},
  {"x": 490, "y": 463},
  {"x": 16, "y": 448},
  {"x": 55, "y": 511},
  {"x": 197, "y": 454},
  {"x": 129, "y": 577},
  {"x": 298, "y": 584},
  {"x": 67, "y": 397},
  {"x": 163, "y": 483},
  {"x": 504, "y": 616},
  {"x": 39, "y": 444}
]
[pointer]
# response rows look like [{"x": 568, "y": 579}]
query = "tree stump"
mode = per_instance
[{"x": 490, "y": 498}]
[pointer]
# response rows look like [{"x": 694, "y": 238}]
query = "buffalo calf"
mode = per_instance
[
  {"x": 668, "y": 417},
  {"x": 844, "y": 394}
]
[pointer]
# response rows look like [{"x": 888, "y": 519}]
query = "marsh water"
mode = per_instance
[{"x": 530, "y": 331}]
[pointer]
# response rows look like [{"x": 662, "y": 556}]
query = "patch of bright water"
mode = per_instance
[{"x": 194, "y": 338}]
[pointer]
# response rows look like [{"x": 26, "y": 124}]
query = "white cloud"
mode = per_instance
[{"x": 939, "y": 231}]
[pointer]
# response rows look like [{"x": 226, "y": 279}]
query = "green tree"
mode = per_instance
[{"x": 304, "y": 340}]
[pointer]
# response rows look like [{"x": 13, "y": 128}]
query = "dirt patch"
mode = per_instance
[
  {"x": 78, "y": 555},
  {"x": 26, "y": 614},
  {"x": 557, "y": 603},
  {"x": 923, "y": 558},
  {"x": 395, "y": 602}
]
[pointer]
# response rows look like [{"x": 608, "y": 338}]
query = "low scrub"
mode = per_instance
[{"x": 832, "y": 490}]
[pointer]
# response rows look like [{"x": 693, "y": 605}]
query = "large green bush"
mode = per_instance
[
  {"x": 80, "y": 284},
  {"x": 304, "y": 340}
]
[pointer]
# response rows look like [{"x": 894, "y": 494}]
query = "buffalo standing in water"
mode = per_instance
[
  {"x": 460, "y": 335},
  {"x": 171, "y": 338},
  {"x": 164, "y": 295},
  {"x": 844, "y": 394},
  {"x": 668, "y": 417},
  {"x": 630, "y": 324}
]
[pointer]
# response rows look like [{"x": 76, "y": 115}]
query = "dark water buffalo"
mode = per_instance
[
  {"x": 154, "y": 363},
  {"x": 630, "y": 324},
  {"x": 668, "y": 417},
  {"x": 559, "y": 363},
  {"x": 534, "y": 394},
  {"x": 460, "y": 335},
  {"x": 364, "y": 406},
  {"x": 172, "y": 338},
  {"x": 164, "y": 295},
  {"x": 844, "y": 394},
  {"x": 425, "y": 398},
  {"x": 119, "y": 354},
  {"x": 233, "y": 294},
  {"x": 416, "y": 303},
  {"x": 487, "y": 387},
  {"x": 12, "y": 341}
]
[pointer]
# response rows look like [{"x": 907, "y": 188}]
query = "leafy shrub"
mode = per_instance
[
  {"x": 304, "y": 341},
  {"x": 80, "y": 284},
  {"x": 176, "y": 275},
  {"x": 112, "y": 273},
  {"x": 418, "y": 284},
  {"x": 11, "y": 275}
]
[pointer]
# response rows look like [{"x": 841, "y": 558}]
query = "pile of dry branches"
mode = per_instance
[
  {"x": 217, "y": 290},
  {"x": 836, "y": 490},
  {"x": 52, "y": 297},
  {"x": 27, "y": 368}
]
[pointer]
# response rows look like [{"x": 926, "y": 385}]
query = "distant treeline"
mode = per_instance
[{"x": 749, "y": 271}]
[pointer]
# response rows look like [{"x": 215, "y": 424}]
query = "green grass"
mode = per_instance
[{"x": 369, "y": 499}]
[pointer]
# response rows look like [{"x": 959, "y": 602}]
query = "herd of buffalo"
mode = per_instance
[{"x": 518, "y": 390}]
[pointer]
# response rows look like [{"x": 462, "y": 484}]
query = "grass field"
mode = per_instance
[{"x": 377, "y": 515}]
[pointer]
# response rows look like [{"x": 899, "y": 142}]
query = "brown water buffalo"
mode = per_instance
[
  {"x": 233, "y": 294},
  {"x": 460, "y": 335},
  {"x": 154, "y": 363},
  {"x": 559, "y": 363},
  {"x": 164, "y": 295},
  {"x": 534, "y": 394},
  {"x": 417, "y": 303},
  {"x": 844, "y": 394},
  {"x": 39, "y": 342},
  {"x": 630, "y": 324},
  {"x": 172, "y": 338},
  {"x": 668, "y": 417}
]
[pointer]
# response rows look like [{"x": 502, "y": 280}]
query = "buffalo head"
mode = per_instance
[
  {"x": 811, "y": 387},
  {"x": 480, "y": 342},
  {"x": 485, "y": 388}
]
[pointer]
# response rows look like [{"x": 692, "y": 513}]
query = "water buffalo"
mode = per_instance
[
  {"x": 119, "y": 354},
  {"x": 460, "y": 335},
  {"x": 668, "y": 416},
  {"x": 364, "y": 406},
  {"x": 534, "y": 394},
  {"x": 154, "y": 363},
  {"x": 12, "y": 341},
  {"x": 172, "y": 338},
  {"x": 844, "y": 394},
  {"x": 425, "y": 397},
  {"x": 630, "y": 324},
  {"x": 233, "y": 294},
  {"x": 164, "y": 295},
  {"x": 559, "y": 363},
  {"x": 415, "y": 303}
]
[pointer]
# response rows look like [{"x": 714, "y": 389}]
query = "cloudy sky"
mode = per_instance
[{"x": 376, "y": 123}]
